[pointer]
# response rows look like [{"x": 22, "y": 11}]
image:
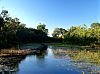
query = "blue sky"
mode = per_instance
[{"x": 54, "y": 13}]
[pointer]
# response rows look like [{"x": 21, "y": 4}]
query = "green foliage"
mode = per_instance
[
  {"x": 1, "y": 22},
  {"x": 30, "y": 35},
  {"x": 4, "y": 13},
  {"x": 95, "y": 25},
  {"x": 42, "y": 28},
  {"x": 79, "y": 35},
  {"x": 82, "y": 36},
  {"x": 13, "y": 32},
  {"x": 58, "y": 32}
]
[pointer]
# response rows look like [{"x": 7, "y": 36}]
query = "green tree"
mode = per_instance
[
  {"x": 42, "y": 27},
  {"x": 58, "y": 32},
  {"x": 1, "y": 23},
  {"x": 4, "y": 13},
  {"x": 95, "y": 25},
  {"x": 82, "y": 35}
]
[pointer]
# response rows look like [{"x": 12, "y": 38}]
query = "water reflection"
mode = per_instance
[
  {"x": 81, "y": 60},
  {"x": 41, "y": 54},
  {"x": 40, "y": 58},
  {"x": 11, "y": 64},
  {"x": 55, "y": 60}
]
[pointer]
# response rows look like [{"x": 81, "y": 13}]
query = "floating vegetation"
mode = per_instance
[
  {"x": 10, "y": 63},
  {"x": 87, "y": 56},
  {"x": 87, "y": 61}
]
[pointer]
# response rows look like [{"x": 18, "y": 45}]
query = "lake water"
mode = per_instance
[{"x": 56, "y": 60}]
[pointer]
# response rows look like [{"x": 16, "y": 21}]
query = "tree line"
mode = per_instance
[
  {"x": 79, "y": 35},
  {"x": 13, "y": 33}
]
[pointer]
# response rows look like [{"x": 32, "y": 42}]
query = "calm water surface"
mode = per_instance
[
  {"x": 47, "y": 63},
  {"x": 55, "y": 60}
]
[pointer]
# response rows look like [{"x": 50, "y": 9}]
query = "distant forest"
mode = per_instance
[{"x": 13, "y": 33}]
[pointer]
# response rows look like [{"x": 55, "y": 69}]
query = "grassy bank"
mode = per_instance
[
  {"x": 23, "y": 51},
  {"x": 90, "y": 47}
]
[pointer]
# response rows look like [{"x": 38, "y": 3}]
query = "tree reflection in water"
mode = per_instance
[
  {"x": 87, "y": 61},
  {"x": 40, "y": 58},
  {"x": 11, "y": 64}
]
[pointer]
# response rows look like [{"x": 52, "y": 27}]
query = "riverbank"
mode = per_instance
[
  {"x": 92, "y": 46},
  {"x": 26, "y": 49},
  {"x": 21, "y": 51}
]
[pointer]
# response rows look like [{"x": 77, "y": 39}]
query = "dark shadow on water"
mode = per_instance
[
  {"x": 68, "y": 60},
  {"x": 12, "y": 63}
]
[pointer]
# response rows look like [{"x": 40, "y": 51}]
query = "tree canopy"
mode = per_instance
[
  {"x": 58, "y": 32},
  {"x": 13, "y": 32},
  {"x": 42, "y": 27},
  {"x": 79, "y": 35}
]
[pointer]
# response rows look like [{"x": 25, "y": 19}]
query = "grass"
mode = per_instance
[
  {"x": 87, "y": 56},
  {"x": 68, "y": 46}
]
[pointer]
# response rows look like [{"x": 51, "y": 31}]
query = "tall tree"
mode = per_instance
[
  {"x": 95, "y": 25},
  {"x": 4, "y": 13},
  {"x": 42, "y": 27},
  {"x": 1, "y": 22},
  {"x": 58, "y": 32}
]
